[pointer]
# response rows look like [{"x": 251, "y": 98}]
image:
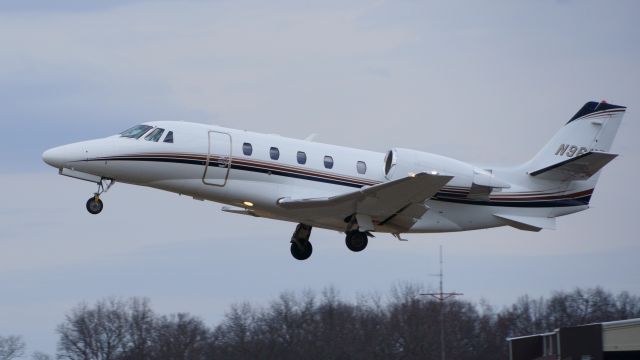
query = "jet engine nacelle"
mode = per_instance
[{"x": 400, "y": 162}]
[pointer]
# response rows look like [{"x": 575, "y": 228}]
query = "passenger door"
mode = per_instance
[{"x": 216, "y": 170}]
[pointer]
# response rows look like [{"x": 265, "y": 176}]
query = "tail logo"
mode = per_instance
[{"x": 571, "y": 150}]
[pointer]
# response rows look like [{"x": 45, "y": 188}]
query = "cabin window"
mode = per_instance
[
  {"x": 328, "y": 162},
  {"x": 154, "y": 135},
  {"x": 361, "y": 166},
  {"x": 247, "y": 149},
  {"x": 302, "y": 157},
  {"x": 169, "y": 137},
  {"x": 274, "y": 153},
  {"x": 136, "y": 131}
]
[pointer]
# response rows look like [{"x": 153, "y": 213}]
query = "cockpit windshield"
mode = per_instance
[
  {"x": 154, "y": 135},
  {"x": 136, "y": 131}
]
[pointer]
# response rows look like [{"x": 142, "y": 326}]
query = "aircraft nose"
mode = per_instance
[
  {"x": 54, "y": 156},
  {"x": 59, "y": 156}
]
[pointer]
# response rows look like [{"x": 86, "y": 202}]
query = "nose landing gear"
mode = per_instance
[{"x": 94, "y": 204}]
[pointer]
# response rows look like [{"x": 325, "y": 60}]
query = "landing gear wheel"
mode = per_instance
[
  {"x": 356, "y": 240},
  {"x": 94, "y": 205},
  {"x": 301, "y": 251}
]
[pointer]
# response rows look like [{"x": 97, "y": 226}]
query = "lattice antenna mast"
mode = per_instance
[{"x": 441, "y": 296}]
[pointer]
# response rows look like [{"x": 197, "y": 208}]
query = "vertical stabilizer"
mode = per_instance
[{"x": 591, "y": 130}]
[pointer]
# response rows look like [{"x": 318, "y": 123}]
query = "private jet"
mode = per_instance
[{"x": 357, "y": 192}]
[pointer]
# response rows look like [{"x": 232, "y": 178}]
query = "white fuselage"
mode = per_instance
[{"x": 255, "y": 181}]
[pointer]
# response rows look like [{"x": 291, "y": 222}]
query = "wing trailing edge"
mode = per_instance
[
  {"x": 398, "y": 203},
  {"x": 415, "y": 188}
]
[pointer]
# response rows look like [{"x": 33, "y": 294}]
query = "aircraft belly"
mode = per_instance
[{"x": 446, "y": 217}]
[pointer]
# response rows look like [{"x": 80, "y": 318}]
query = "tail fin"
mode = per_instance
[{"x": 580, "y": 149}]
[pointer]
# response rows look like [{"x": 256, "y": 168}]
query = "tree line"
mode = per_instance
[{"x": 402, "y": 325}]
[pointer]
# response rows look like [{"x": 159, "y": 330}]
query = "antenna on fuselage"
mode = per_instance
[{"x": 310, "y": 137}]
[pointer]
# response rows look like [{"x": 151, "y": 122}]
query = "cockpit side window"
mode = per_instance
[
  {"x": 155, "y": 135},
  {"x": 136, "y": 131},
  {"x": 169, "y": 137}
]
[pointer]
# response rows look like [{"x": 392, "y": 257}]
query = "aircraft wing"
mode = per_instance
[{"x": 397, "y": 203}]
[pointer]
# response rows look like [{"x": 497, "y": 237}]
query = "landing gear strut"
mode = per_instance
[
  {"x": 356, "y": 240},
  {"x": 94, "y": 204},
  {"x": 301, "y": 248}
]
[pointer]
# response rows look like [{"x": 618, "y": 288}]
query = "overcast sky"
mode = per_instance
[{"x": 486, "y": 82}]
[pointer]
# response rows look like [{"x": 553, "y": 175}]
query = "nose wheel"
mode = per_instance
[{"x": 94, "y": 204}]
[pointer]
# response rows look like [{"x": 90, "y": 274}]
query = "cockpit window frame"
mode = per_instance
[
  {"x": 136, "y": 132},
  {"x": 168, "y": 138}
]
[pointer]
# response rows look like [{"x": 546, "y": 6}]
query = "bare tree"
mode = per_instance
[
  {"x": 11, "y": 347},
  {"x": 140, "y": 329},
  {"x": 94, "y": 333},
  {"x": 180, "y": 337},
  {"x": 406, "y": 326},
  {"x": 236, "y": 337}
]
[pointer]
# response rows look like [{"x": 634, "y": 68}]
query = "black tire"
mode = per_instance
[
  {"x": 356, "y": 241},
  {"x": 301, "y": 252},
  {"x": 94, "y": 206}
]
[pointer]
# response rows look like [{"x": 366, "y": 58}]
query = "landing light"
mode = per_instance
[
  {"x": 433, "y": 172},
  {"x": 247, "y": 203}
]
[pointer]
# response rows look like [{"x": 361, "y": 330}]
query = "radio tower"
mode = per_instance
[{"x": 441, "y": 296}]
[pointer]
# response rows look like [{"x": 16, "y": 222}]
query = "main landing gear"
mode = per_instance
[
  {"x": 94, "y": 204},
  {"x": 356, "y": 240},
  {"x": 301, "y": 248}
]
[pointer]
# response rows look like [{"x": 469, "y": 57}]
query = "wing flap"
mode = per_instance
[{"x": 578, "y": 168}]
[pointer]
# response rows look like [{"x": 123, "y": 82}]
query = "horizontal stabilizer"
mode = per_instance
[
  {"x": 578, "y": 168},
  {"x": 528, "y": 223}
]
